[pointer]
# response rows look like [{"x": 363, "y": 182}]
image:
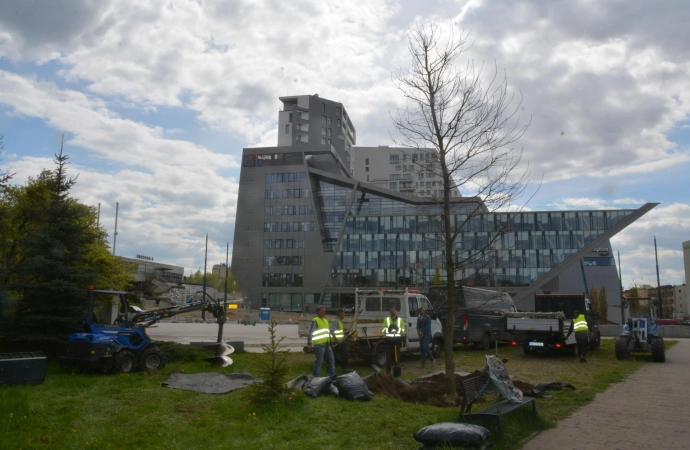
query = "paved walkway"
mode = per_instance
[{"x": 650, "y": 409}]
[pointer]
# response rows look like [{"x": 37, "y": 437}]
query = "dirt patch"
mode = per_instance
[{"x": 428, "y": 390}]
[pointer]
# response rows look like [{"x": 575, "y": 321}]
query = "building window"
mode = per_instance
[
  {"x": 290, "y": 120},
  {"x": 393, "y": 184},
  {"x": 323, "y": 107},
  {"x": 287, "y": 129},
  {"x": 324, "y": 120},
  {"x": 397, "y": 167},
  {"x": 329, "y": 132},
  {"x": 337, "y": 111},
  {"x": 299, "y": 138},
  {"x": 330, "y": 120},
  {"x": 421, "y": 176},
  {"x": 366, "y": 169},
  {"x": 323, "y": 131},
  {"x": 395, "y": 159},
  {"x": 429, "y": 175},
  {"x": 323, "y": 141},
  {"x": 340, "y": 124},
  {"x": 366, "y": 162}
]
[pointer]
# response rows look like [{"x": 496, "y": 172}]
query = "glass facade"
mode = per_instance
[
  {"x": 388, "y": 243},
  {"x": 331, "y": 203}
]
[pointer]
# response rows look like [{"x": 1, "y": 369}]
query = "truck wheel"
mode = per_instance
[
  {"x": 622, "y": 350},
  {"x": 381, "y": 355},
  {"x": 152, "y": 359},
  {"x": 597, "y": 343},
  {"x": 658, "y": 350},
  {"x": 436, "y": 347},
  {"x": 123, "y": 361}
]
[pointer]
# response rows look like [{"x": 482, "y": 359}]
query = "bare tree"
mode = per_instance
[{"x": 469, "y": 124}]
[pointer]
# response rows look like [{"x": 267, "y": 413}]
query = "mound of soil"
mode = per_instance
[{"x": 428, "y": 390}]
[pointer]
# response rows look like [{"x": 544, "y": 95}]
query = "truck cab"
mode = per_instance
[{"x": 376, "y": 304}]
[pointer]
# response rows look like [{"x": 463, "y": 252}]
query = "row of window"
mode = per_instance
[
  {"x": 283, "y": 260},
  {"x": 283, "y": 243},
  {"x": 498, "y": 222},
  {"x": 401, "y": 176},
  {"x": 273, "y": 159},
  {"x": 283, "y": 280},
  {"x": 468, "y": 277},
  {"x": 285, "y": 177},
  {"x": 285, "y": 301},
  {"x": 274, "y": 227},
  {"x": 428, "y": 259},
  {"x": 395, "y": 159},
  {"x": 521, "y": 240},
  {"x": 290, "y": 210},
  {"x": 287, "y": 193}
]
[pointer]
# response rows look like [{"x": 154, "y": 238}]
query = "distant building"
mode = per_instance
[
  {"x": 310, "y": 119},
  {"x": 144, "y": 269},
  {"x": 680, "y": 298},
  {"x": 219, "y": 270},
  {"x": 405, "y": 170},
  {"x": 310, "y": 228}
]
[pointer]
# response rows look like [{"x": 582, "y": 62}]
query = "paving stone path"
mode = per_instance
[{"x": 650, "y": 409}]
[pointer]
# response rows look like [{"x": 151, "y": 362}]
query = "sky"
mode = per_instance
[{"x": 157, "y": 99}]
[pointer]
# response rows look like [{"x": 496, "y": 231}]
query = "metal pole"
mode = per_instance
[
  {"x": 117, "y": 209},
  {"x": 658, "y": 284},
  {"x": 620, "y": 277},
  {"x": 203, "y": 295},
  {"x": 225, "y": 299}
]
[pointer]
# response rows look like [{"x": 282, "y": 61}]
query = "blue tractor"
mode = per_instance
[
  {"x": 124, "y": 345},
  {"x": 640, "y": 334}
]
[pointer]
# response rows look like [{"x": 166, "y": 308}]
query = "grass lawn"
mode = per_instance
[{"x": 74, "y": 410}]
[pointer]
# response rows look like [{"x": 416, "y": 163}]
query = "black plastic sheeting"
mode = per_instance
[
  {"x": 540, "y": 389},
  {"x": 210, "y": 382},
  {"x": 464, "y": 435},
  {"x": 315, "y": 386},
  {"x": 351, "y": 386}
]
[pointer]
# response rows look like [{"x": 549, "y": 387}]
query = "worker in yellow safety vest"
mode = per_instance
[
  {"x": 320, "y": 340},
  {"x": 581, "y": 330},
  {"x": 394, "y": 330}
]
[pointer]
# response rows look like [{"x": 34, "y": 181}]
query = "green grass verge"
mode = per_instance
[{"x": 75, "y": 410}]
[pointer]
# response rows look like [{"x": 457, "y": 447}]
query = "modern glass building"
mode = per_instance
[{"x": 307, "y": 233}]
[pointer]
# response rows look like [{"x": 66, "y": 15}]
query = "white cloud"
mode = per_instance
[
  {"x": 670, "y": 225},
  {"x": 604, "y": 84}
]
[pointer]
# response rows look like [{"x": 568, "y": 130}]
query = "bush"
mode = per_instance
[{"x": 272, "y": 370}]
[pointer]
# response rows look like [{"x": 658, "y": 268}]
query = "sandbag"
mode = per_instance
[
  {"x": 331, "y": 390},
  {"x": 299, "y": 382},
  {"x": 352, "y": 387},
  {"x": 316, "y": 385},
  {"x": 464, "y": 435}
]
